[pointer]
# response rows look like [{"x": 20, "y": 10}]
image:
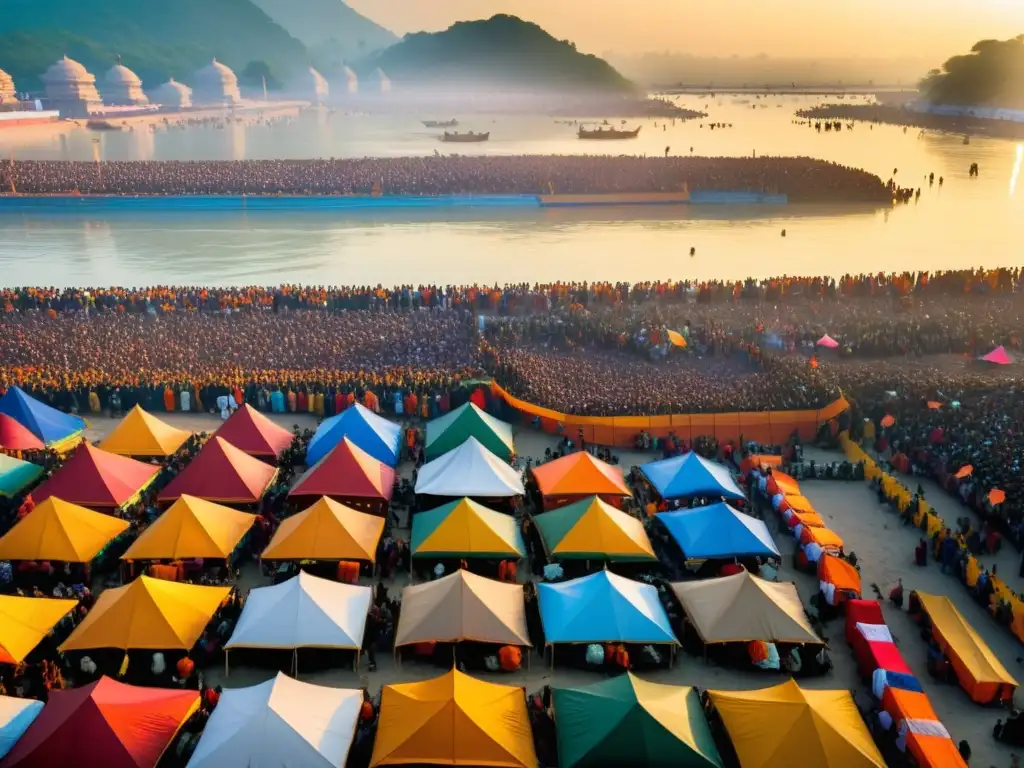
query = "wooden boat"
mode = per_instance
[
  {"x": 465, "y": 138},
  {"x": 440, "y": 123},
  {"x": 608, "y": 133}
]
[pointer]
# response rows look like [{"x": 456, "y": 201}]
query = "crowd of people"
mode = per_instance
[{"x": 898, "y": 115}]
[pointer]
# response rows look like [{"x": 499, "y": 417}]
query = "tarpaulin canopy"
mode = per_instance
[
  {"x": 25, "y": 621},
  {"x": 303, "y": 612},
  {"x": 95, "y": 478},
  {"x": 743, "y": 607},
  {"x": 799, "y": 503},
  {"x": 142, "y": 434},
  {"x": 16, "y": 437},
  {"x": 999, "y": 356},
  {"x": 57, "y": 530},
  {"x": 453, "y": 429},
  {"x": 376, "y": 435},
  {"x": 759, "y": 460},
  {"x": 577, "y": 475},
  {"x": 469, "y": 470},
  {"x": 931, "y": 750},
  {"x": 253, "y": 433},
  {"x": 191, "y": 528},
  {"x": 793, "y": 519},
  {"x": 843, "y": 578},
  {"x": 464, "y": 528},
  {"x": 593, "y": 529},
  {"x": 16, "y": 715},
  {"x": 326, "y": 530},
  {"x": 602, "y": 607},
  {"x": 827, "y": 342},
  {"x": 221, "y": 472},
  {"x": 16, "y": 475},
  {"x": 676, "y": 339},
  {"x": 629, "y": 721},
  {"x": 282, "y": 722},
  {"x": 347, "y": 472},
  {"x": 463, "y": 606},
  {"x": 454, "y": 719},
  {"x": 691, "y": 475},
  {"x": 48, "y": 424},
  {"x": 825, "y": 538},
  {"x": 786, "y": 726},
  {"x": 977, "y": 668},
  {"x": 718, "y": 531},
  {"x": 105, "y": 723},
  {"x": 148, "y": 614}
]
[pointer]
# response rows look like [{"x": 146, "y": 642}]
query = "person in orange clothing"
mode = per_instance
[{"x": 169, "y": 399}]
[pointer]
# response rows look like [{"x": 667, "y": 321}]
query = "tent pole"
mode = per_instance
[
  {"x": 295, "y": 663},
  {"x": 552, "y": 656},
  {"x": 227, "y": 672}
]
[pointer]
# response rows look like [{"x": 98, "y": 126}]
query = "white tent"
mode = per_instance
[
  {"x": 469, "y": 470},
  {"x": 282, "y": 722},
  {"x": 305, "y": 611},
  {"x": 16, "y": 715}
]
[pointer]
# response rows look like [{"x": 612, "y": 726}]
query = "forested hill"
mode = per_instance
[{"x": 991, "y": 75}]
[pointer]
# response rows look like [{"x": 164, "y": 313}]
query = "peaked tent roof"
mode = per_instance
[
  {"x": 221, "y": 472},
  {"x": 255, "y": 434},
  {"x": 454, "y": 719},
  {"x": 464, "y": 528},
  {"x": 626, "y": 720},
  {"x": 95, "y": 478},
  {"x": 463, "y": 606},
  {"x": 743, "y": 607},
  {"x": 16, "y": 715},
  {"x": 594, "y": 529},
  {"x": 469, "y": 470},
  {"x": 602, "y": 607},
  {"x": 59, "y": 530},
  {"x": 280, "y": 722},
  {"x": 691, "y": 475},
  {"x": 191, "y": 528},
  {"x": 149, "y": 614},
  {"x": 143, "y": 434},
  {"x": 25, "y": 621},
  {"x": 719, "y": 531},
  {"x": 326, "y": 530},
  {"x": 104, "y": 723},
  {"x": 48, "y": 424},
  {"x": 453, "y": 429},
  {"x": 16, "y": 475},
  {"x": 999, "y": 356},
  {"x": 826, "y": 341},
  {"x": 376, "y": 435},
  {"x": 305, "y": 611},
  {"x": 580, "y": 474},
  {"x": 787, "y": 725},
  {"x": 16, "y": 437},
  {"x": 347, "y": 471}
]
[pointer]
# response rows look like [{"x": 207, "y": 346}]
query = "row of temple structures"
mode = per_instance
[{"x": 73, "y": 90}]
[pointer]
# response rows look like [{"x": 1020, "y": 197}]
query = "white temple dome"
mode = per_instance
[{"x": 66, "y": 70}]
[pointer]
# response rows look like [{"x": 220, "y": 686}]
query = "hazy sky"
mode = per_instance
[{"x": 935, "y": 29}]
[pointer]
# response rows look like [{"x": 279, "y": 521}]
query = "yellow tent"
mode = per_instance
[
  {"x": 59, "y": 530},
  {"x": 464, "y": 528},
  {"x": 191, "y": 528},
  {"x": 326, "y": 531},
  {"x": 787, "y": 725},
  {"x": 142, "y": 434},
  {"x": 454, "y": 719},
  {"x": 25, "y": 621},
  {"x": 594, "y": 529},
  {"x": 147, "y": 614}
]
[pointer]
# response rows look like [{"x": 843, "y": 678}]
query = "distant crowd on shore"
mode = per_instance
[{"x": 895, "y": 115}]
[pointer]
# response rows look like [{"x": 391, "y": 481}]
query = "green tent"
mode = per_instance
[
  {"x": 453, "y": 429},
  {"x": 629, "y": 721},
  {"x": 592, "y": 529},
  {"x": 464, "y": 528},
  {"x": 15, "y": 475}
]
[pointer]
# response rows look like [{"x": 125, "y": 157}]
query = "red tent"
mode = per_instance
[
  {"x": 999, "y": 356},
  {"x": 350, "y": 475},
  {"x": 254, "y": 433},
  {"x": 15, "y": 437},
  {"x": 95, "y": 478},
  {"x": 222, "y": 473},
  {"x": 106, "y": 724}
]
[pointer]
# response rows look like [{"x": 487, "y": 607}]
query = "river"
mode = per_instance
[{"x": 965, "y": 222}]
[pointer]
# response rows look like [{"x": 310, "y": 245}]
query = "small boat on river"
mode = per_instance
[
  {"x": 465, "y": 138},
  {"x": 608, "y": 133},
  {"x": 440, "y": 123}
]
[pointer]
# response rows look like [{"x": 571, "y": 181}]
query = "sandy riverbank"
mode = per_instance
[{"x": 897, "y": 115}]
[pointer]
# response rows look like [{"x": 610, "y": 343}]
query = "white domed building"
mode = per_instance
[
  {"x": 216, "y": 85},
  {"x": 123, "y": 88},
  {"x": 383, "y": 81},
  {"x": 173, "y": 96},
  {"x": 71, "y": 89},
  {"x": 351, "y": 80},
  {"x": 311, "y": 86},
  {"x": 7, "y": 93}
]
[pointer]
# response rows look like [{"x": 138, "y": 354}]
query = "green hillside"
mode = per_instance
[{"x": 991, "y": 75}]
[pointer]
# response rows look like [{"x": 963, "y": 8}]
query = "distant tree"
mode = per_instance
[{"x": 991, "y": 75}]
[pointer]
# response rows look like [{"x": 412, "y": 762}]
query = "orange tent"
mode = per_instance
[
  {"x": 799, "y": 503},
  {"x": 843, "y": 576},
  {"x": 812, "y": 519},
  {"x": 577, "y": 476},
  {"x": 825, "y": 538},
  {"x": 95, "y": 478},
  {"x": 780, "y": 482},
  {"x": 930, "y": 751},
  {"x": 759, "y": 460},
  {"x": 222, "y": 473}
]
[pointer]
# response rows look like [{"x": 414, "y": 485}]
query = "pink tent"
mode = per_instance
[
  {"x": 828, "y": 342},
  {"x": 999, "y": 356}
]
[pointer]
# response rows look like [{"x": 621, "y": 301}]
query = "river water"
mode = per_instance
[{"x": 965, "y": 222}]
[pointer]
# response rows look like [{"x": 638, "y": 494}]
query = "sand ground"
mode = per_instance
[{"x": 885, "y": 551}]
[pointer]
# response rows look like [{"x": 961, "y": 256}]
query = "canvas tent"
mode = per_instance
[
  {"x": 16, "y": 715},
  {"x": 16, "y": 475},
  {"x": 326, "y": 530},
  {"x": 15, "y": 437},
  {"x": 691, "y": 475},
  {"x": 56, "y": 429},
  {"x": 718, "y": 532},
  {"x": 281, "y": 722},
  {"x": 998, "y": 356},
  {"x": 629, "y": 721},
  {"x": 375, "y": 435},
  {"x": 454, "y": 719},
  {"x": 95, "y": 478},
  {"x": 25, "y": 621},
  {"x": 592, "y": 529},
  {"x": 350, "y": 475},
  {"x": 600, "y": 608},
  {"x": 787, "y": 725},
  {"x": 576, "y": 476},
  {"x": 191, "y": 528},
  {"x": 469, "y": 470},
  {"x": 253, "y": 433},
  {"x": 223, "y": 473},
  {"x": 464, "y": 528},
  {"x": 463, "y": 606},
  {"x": 142, "y": 434},
  {"x": 57, "y": 530},
  {"x": 448, "y": 432}
]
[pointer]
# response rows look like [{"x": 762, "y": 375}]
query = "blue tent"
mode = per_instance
[
  {"x": 602, "y": 608},
  {"x": 48, "y": 424},
  {"x": 377, "y": 436},
  {"x": 718, "y": 531},
  {"x": 691, "y": 475}
]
